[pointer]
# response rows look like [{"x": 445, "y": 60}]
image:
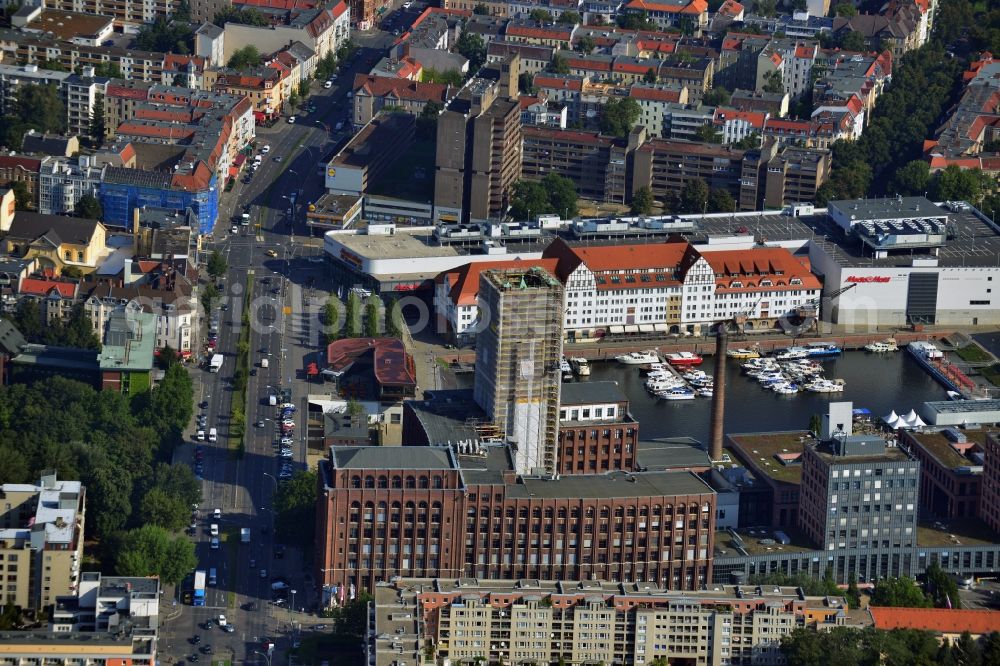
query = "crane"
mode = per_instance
[{"x": 808, "y": 313}]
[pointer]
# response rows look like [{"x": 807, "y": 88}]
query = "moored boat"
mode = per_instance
[
  {"x": 684, "y": 359},
  {"x": 743, "y": 353},
  {"x": 885, "y": 346},
  {"x": 581, "y": 366},
  {"x": 638, "y": 358}
]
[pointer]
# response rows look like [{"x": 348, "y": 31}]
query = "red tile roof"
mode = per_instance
[
  {"x": 557, "y": 32},
  {"x": 654, "y": 94},
  {"x": 751, "y": 266},
  {"x": 939, "y": 620},
  {"x": 558, "y": 83},
  {"x": 384, "y": 86},
  {"x": 464, "y": 280},
  {"x": 38, "y": 287},
  {"x": 730, "y": 8},
  {"x": 666, "y": 255},
  {"x": 26, "y": 163},
  {"x": 338, "y": 9},
  {"x": 693, "y": 7},
  {"x": 807, "y": 52},
  {"x": 392, "y": 365},
  {"x": 279, "y": 4},
  {"x": 753, "y": 118}
]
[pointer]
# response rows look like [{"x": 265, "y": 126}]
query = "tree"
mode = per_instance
[
  {"x": 635, "y": 21},
  {"x": 586, "y": 44},
  {"x": 89, "y": 208},
  {"x": 900, "y": 592},
  {"x": 541, "y": 15},
  {"x": 244, "y": 58},
  {"x": 852, "y": 41},
  {"x": 217, "y": 265},
  {"x": 853, "y": 594},
  {"x": 451, "y": 77},
  {"x": 371, "y": 317},
  {"x": 845, "y": 9},
  {"x": 773, "y": 82},
  {"x": 149, "y": 551},
  {"x": 991, "y": 648},
  {"x": 472, "y": 47},
  {"x": 720, "y": 201},
  {"x": 167, "y": 357},
  {"x": 209, "y": 294},
  {"x": 394, "y": 319},
  {"x": 304, "y": 88},
  {"x": 159, "y": 508},
  {"x": 767, "y": 8},
  {"x": 353, "y": 320},
  {"x": 166, "y": 37},
  {"x": 98, "y": 130},
  {"x": 619, "y": 115},
  {"x": 562, "y": 195},
  {"x": 28, "y": 319},
  {"x": 326, "y": 67},
  {"x": 529, "y": 199},
  {"x": 295, "y": 509},
  {"x": 559, "y": 65},
  {"x": 247, "y": 16},
  {"x": 41, "y": 107},
  {"x": 708, "y": 133},
  {"x": 650, "y": 75},
  {"x": 717, "y": 96},
  {"x": 957, "y": 184},
  {"x": 331, "y": 320},
  {"x": 108, "y": 69},
  {"x": 22, "y": 198},
  {"x": 912, "y": 178},
  {"x": 428, "y": 119},
  {"x": 481, "y": 10},
  {"x": 293, "y": 100},
  {"x": 642, "y": 201},
  {"x": 967, "y": 650},
  {"x": 570, "y": 17},
  {"x": 694, "y": 196},
  {"x": 941, "y": 587}
]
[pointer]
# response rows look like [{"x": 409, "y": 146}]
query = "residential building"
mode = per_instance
[
  {"x": 41, "y": 541},
  {"x": 263, "y": 86},
  {"x": 57, "y": 242},
  {"x": 378, "y": 369},
  {"x": 81, "y": 93},
  {"x": 596, "y": 430},
  {"x": 583, "y": 157},
  {"x": 28, "y": 50},
  {"x": 130, "y": 12},
  {"x": 554, "y": 35},
  {"x": 127, "y": 351},
  {"x": 949, "y": 624},
  {"x": 173, "y": 304},
  {"x": 973, "y": 123},
  {"x": 737, "y": 125},
  {"x": 100, "y": 603},
  {"x": 517, "y": 358},
  {"x": 369, "y": 153},
  {"x": 951, "y": 470},
  {"x": 51, "y": 145},
  {"x": 209, "y": 44},
  {"x": 588, "y": 621},
  {"x": 903, "y": 26},
  {"x": 322, "y": 29},
  {"x": 689, "y": 16},
  {"x": 12, "y": 272},
  {"x": 532, "y": 59},
  {"x": 17, "y": 169},
  {"x": 665, "y": 166},
  {"x": 13, "y": 77},
  {"x": 773, "y": 177},
  {"x": 478, "y": 157},
  {"x": 373, "y": 93},
  {"x": 656, "y": 102},
  {"x": 455, "y": 511},
  {"x": 56, "y": 298},
  {"x": 536, "y": 110},
  {"x": 775, "y": 105},
  {"x": 62, "y": 183}
]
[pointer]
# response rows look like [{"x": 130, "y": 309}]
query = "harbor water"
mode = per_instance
[{"x": 878, "y": 382}]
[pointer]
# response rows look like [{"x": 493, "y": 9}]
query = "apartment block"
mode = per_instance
[
  {"x": 374, "y": 93},
  {"x": 478, "y": 158},
  {"x": 597, "y": 433},
  {"x": 31, "y": 49},
  {"x": 62, "y": 183},
  {"x": 989, "y": 506},
  {"x": 588, "y": 621},
  {"x": 16, "y": 169},
  {"x": 41, "y": 541},
  {"x": 772, "y": 176},
  {"x": 583, "y": 157},
  {"x": 101, "y": 601}
]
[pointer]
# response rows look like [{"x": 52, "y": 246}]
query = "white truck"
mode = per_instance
[
  {"x": 245, "y": 535},
  {"x": 215, "y": 364}
]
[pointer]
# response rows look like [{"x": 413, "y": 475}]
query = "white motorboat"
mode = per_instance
[
  {"x": 885, "y": 346},
  {"x": 743, "y": 353},
  {"x": 638, "y": 358},
  {"x": 677, "y": 394},
  {"x": 707, "y": 392},
  {"x": 580, "y": 366},
  {"x": 564, "y": 366}
]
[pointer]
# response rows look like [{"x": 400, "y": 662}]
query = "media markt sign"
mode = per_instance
[
  {"x": 331, "y": 172},
  {"x": 865, "y": 279}
]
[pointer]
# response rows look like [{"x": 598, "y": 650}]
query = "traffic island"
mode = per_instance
[{"x": 237, "y": 416}]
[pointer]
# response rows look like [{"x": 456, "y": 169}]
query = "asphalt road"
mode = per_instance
[{"x": 286, "y": 299}]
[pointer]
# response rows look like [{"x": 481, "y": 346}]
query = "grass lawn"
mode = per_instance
[
  {"x": 973, "y": 354},
  {"x": 237, "y": 416},
  {"x": 992, "y": 374}
]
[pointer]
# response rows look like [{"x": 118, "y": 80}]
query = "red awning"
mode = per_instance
[
  {"x": 312, "y": 370},
  {"x": 240, "y": 159},
  {"x": 233, "y": 172},
  {"x": 259, "y": 116},
  {"x": 186, "y": 353}
]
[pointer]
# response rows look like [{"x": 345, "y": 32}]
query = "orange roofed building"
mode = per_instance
[
  {"x": 670, "y": 286},
  {"x": 948, "y": 623},
  {"x": 692, "y": 15}
]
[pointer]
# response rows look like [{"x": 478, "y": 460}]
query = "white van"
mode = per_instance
[
  {"x": 200, "y": 436},
  {"x": 213, "y": 529},
  {"x": 213, "y": 435},
  {"x": 212, "y": 579},
  {"x": 264, "y": 362}
]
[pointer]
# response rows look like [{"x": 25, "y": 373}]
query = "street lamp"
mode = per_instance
[
  {"x": 292, "y": 605},
  {"x": 263, "y": 655}
]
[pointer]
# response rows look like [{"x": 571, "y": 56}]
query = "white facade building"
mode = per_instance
[
  {"x": 62, "y": 183},
  {"x": 176, "y": 312}
]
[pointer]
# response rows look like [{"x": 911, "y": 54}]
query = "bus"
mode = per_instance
[{"x": 199, "y": 588}]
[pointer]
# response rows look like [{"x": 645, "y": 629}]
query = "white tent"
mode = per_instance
[
  {"x": 917, "y": 423},
  {"x": 911, "y": 417},
  {"x": 891, "y": 418}
]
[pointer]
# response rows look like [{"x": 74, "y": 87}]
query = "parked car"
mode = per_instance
[
  {"x": 328, "y": 85},
  {"x": 291, "y": 120}
]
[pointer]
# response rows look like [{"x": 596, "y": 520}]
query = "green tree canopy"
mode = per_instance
[
  {"x": 586, "y": 44},
  {"x": 41, "y": 107},
  {"x": 22, "y": 197},
  {"x": 245, "y": 58},
  {"x": 912, "y": 178},
  {"x": 246, "y": 16},
  {"x": 555, "y": 194},
  {"x": 481, "y": 10},
  {"x": 642, "y": 201},
  {"x": 635, "y": 21},
  {"x": 166, "y": 37},
  {"x": 717, "y": 96},
  {"x": 773, "y": 82},
  {"x": 619, "y": 115},
  {"x": 394, "y": 319},
  {"x": 352, "y": 322},
  {"x": 331, "y": 319},
  {"x": 450, "y": 77},
  {"x": 88, "y": 207},
  {"x": 149, "y": 551},
  {"x": 372, "y": 312},
  {"x": 957, "y": 184},
  {"x": 902, "y": 592},
  {"x": 541, "y": 15},
  {"x": 570, "y": 17},
  {"x": 694, "y": 196},
  {"x": 97, "y": 127},
  {"x": 852, "y": 41},
  {"x": 217, "y": 265},
  {"x": 845, "y": 9},
  {"x": 295, "y": 509},
  {"x": 472, "y": 47},
  {"x": 708, "y": 133},
  {"x": 720, "y": 201},
  {"x": 559, "y": 65}
]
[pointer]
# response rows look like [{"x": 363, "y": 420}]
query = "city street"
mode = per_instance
[{"x": 286, "y": 265}]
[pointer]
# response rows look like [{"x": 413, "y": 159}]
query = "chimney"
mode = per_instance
[{"x": 718, "y": 395}]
